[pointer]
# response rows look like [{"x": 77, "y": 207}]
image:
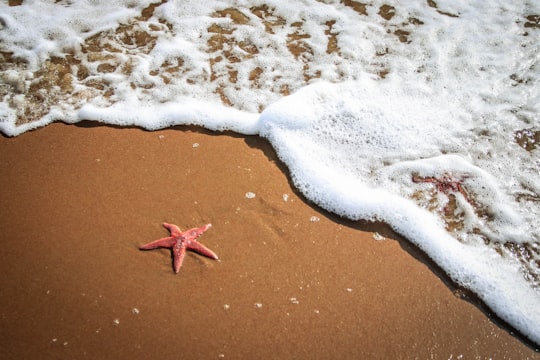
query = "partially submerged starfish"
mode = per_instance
[
  {"x": 180, "y": 242},
  {"x": 446, "y": 184}
]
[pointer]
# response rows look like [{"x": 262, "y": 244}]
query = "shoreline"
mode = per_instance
[{"x": 291, "y": 282}]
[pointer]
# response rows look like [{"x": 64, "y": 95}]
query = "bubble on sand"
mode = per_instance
[
  {"x": 258, "y": 305},
  {"x": 250, "y": 195},
  {"x": 135, "y": 311},
  {"x": 314, "y": 219},
  {"x": 294, "y": 300},
  {"x": 378, "y": 237},
  {"x": 116, "y": 322}
]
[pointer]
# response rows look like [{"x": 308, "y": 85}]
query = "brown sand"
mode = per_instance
[{"x": 77, "y": 201}]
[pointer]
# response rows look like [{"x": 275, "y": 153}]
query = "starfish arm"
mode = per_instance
[
  {"x": 178, "y": 257},
  {"x": 201, "y": 249},
  {"x": 166, "y": 242},
  {"x": 196, "y": 232},
  {"x": 463, "y": 192},
  {"x": 173, "y": 229}
]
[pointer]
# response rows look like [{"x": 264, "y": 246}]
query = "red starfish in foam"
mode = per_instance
[
  {"x": 446, "y": 184},
  {"x": 180, "y": 242}
]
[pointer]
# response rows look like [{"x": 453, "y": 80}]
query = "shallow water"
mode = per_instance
[{"x": 424, "y": 115}]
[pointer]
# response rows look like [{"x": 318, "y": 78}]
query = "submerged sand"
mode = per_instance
[{"x": 292, "y": 281}]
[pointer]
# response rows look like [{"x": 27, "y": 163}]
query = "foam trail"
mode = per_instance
[
  {"x": 208, "y": 115},
  {"x": 9, "y": 126}
]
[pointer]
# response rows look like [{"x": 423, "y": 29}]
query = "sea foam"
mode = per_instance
[
  {"x": 354, "y": 154},
  {"x": 424, "y": 115}
]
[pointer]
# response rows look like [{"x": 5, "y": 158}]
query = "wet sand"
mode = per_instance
[{"x": 292, "y": 282}]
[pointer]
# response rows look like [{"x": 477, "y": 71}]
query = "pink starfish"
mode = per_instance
[{"x": 179, "y": 242}]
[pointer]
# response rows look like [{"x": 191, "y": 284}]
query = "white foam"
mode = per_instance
[
  {"x": 209, "y": 115},
  {"x": 37, "y": 29},
  {"x": 351, "y": 154},
  {"x": 459, "y": 79}
]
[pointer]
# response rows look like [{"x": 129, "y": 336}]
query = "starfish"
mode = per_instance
[
  {"x": 179, "y": 242},
  {"x": 446, "y": 184}
]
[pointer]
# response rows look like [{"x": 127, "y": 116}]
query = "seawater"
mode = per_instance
[{"x": 421, "y": 114}]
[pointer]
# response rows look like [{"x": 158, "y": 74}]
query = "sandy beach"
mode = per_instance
[{"x": 292, "y": 281}]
